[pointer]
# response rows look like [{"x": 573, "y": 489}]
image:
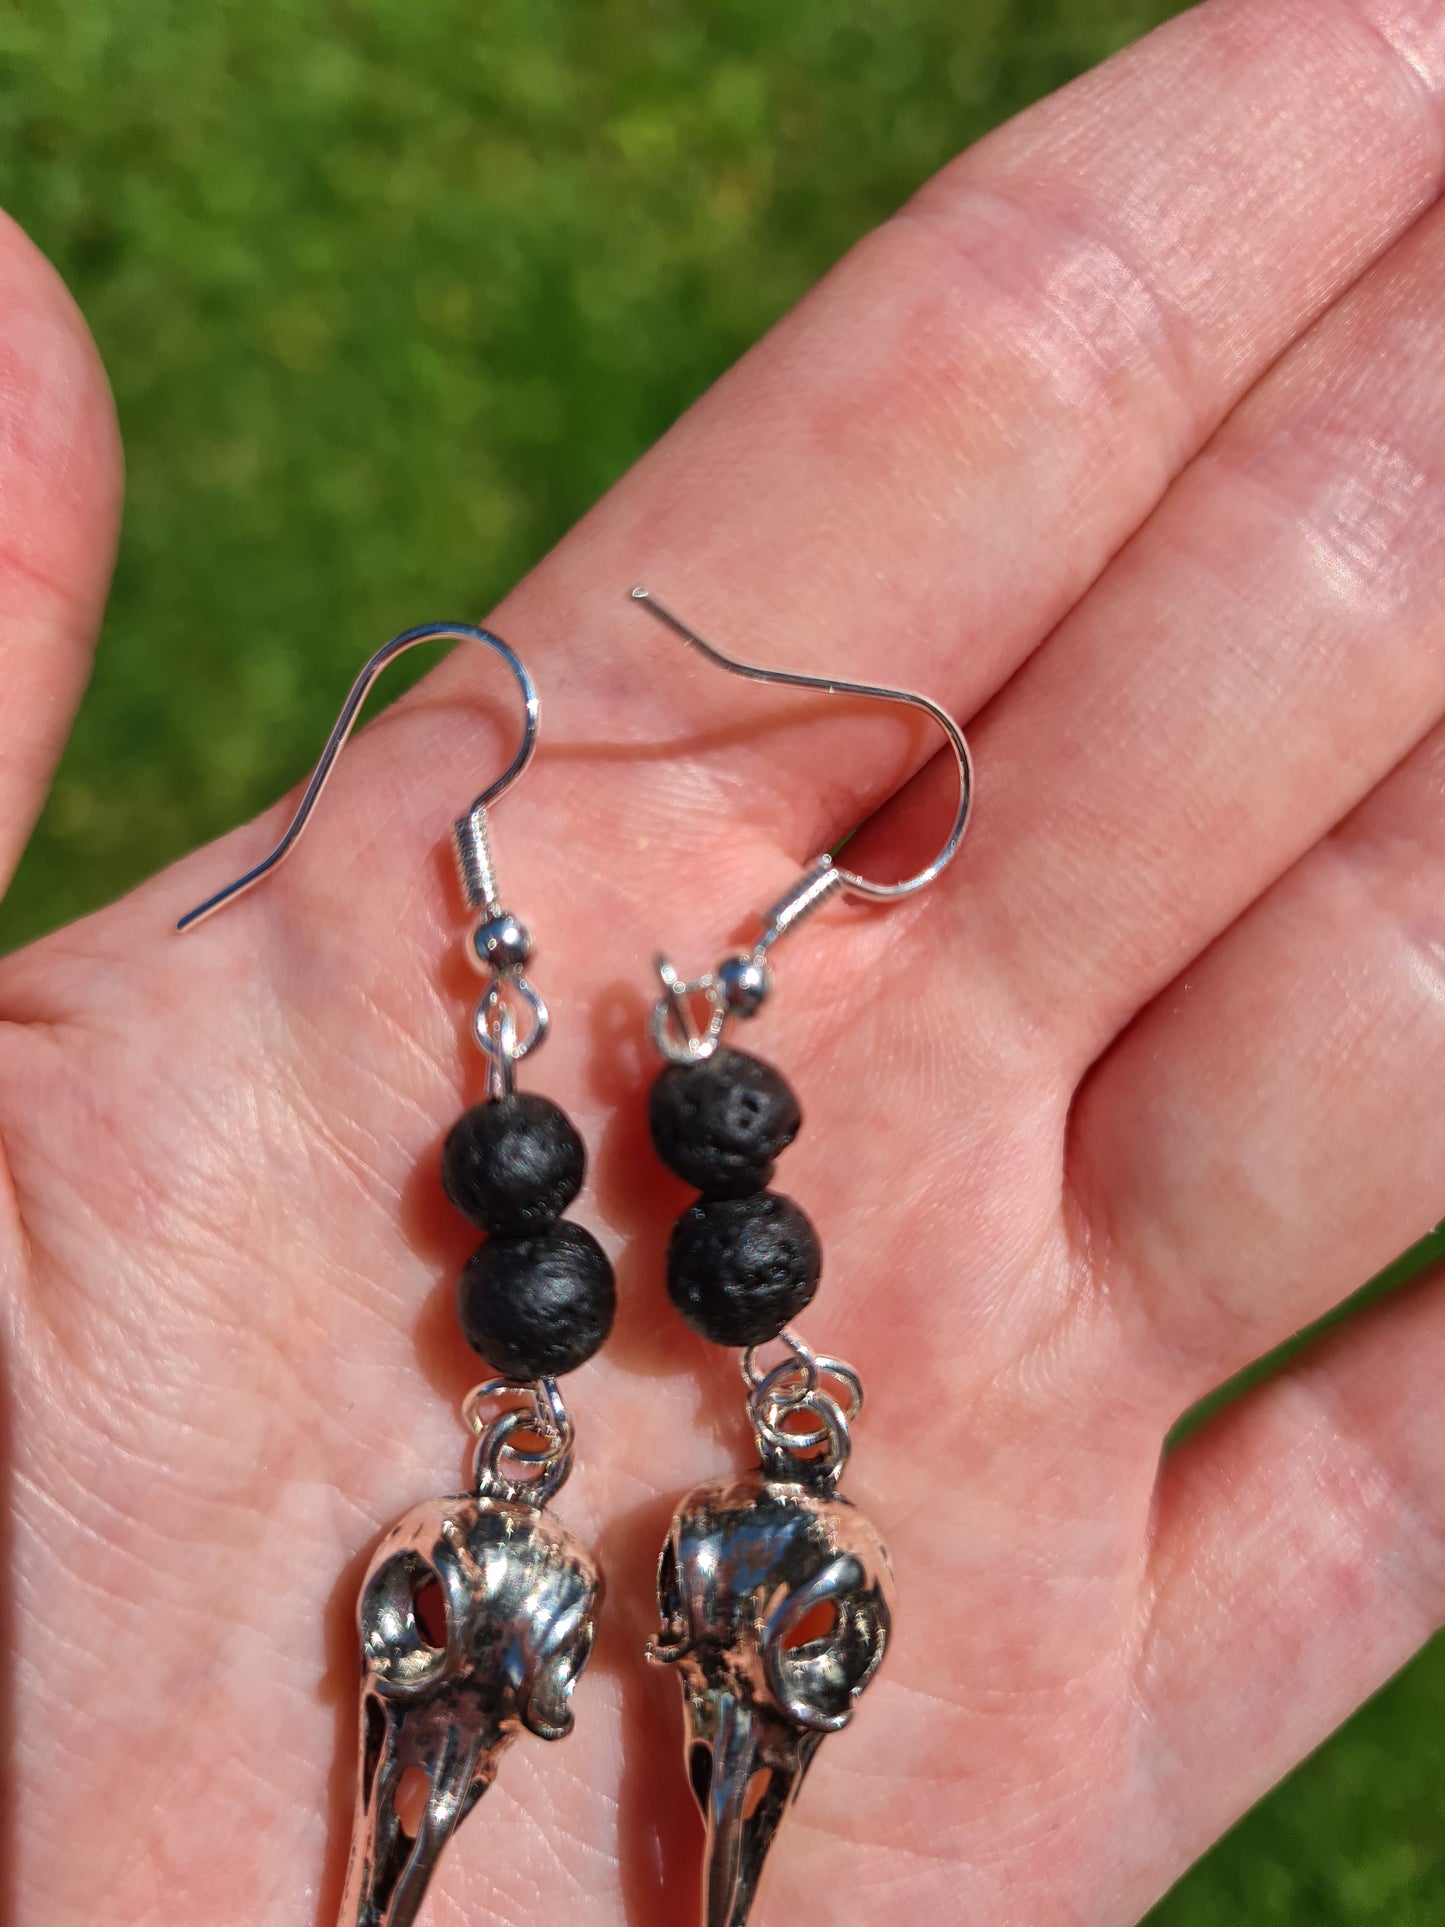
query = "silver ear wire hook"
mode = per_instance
[
  {"x": 739, "y": 985},
  {"x": 469, "y": 832},
  {"x": 848, "y": 881}
]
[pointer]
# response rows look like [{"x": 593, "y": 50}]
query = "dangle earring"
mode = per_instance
[
  {"x": 775, "y": 1594},
  {"x": 478, "y": 1612}
]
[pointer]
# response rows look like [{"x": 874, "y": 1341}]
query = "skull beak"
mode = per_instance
[
  {"x": 391, "y": 1867},
  {"x": 745, "y": 1780}
]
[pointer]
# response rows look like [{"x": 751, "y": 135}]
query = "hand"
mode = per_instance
[{"x": 1123, "y": 440}]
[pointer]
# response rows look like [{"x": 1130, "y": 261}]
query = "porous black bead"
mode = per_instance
[
  {"x": 739, "y": 1268},
  {"x": 720, "y": 1124},
  {"x": 540, "y": 1305},
  {"x": 512, "y": 1166}
]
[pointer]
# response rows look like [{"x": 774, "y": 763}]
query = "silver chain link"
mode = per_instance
[
  {"x": 540, "y": 1471},
  {"x": 798, "y": 1386}
]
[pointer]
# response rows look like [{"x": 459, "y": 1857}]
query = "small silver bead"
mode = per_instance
[
  {"x": 501, "y": 943},
  {"x": 744, "y": 983}
]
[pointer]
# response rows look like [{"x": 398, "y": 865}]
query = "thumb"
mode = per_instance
[{"x": 60, "y": 492}]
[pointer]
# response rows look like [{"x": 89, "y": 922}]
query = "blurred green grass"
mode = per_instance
[{"x": 390, "y": 291}]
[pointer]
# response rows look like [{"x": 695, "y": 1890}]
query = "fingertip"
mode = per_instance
[
  {"x": 61, "y": 477},
  {"x": 60, "y": 447}
]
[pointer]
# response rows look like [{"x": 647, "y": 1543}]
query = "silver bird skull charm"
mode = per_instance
[
  {"x": 520, "y": 1599},
  {"x": 776, "y": 1604}
]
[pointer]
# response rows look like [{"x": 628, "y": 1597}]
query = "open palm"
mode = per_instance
[{"x": 1122, "y": 440}]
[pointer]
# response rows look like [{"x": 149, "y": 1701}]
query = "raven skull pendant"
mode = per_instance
[
  {"x": 776, "y": 1602},
  {"x": 520, "y": 1599}
]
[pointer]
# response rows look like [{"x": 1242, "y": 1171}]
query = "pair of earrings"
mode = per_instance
[{"x": 478, "y": 1611}]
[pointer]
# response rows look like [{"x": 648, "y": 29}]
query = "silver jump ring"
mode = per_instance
[
  {"x": 542, "y": 1408},
  {"x": 784, "y": 1450},
  {"x": 795, "y": 1382},
  {"x": 843, "y": 1374},
  {"x": 785, "y": 1388},
  {"x": 494, "y": 1009},
  {"x": 472, "y": 1404},
  {"x": 496, "y": 1033},
  {"x": 548, "y": 1390},
  {"x": 803, "y": 1359},
  {"x": 674, "y": 1030},
  {"x": 767, "y": 1419},
  {"x": 490, "y": 1481}
]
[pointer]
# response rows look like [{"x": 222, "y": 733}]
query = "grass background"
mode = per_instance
[{"x": 389, "y": 291}]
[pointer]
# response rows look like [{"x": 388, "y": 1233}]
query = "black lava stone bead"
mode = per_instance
[
  {"x": 720, "y": 1124},
  {"x": 512, "y": 1166},
  {"x": 739, "y": 1268},
  {"x": 537, "y": 1306}
]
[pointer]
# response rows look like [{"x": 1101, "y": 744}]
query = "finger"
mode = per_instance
[
  {"x": 60, "y": 482},
  {"x": 1263, "y": 652},
  {"x": 1271, "y": 1133},
  {"x": 947, "y": 441},
  {"x": 1299, "y": 1561}
]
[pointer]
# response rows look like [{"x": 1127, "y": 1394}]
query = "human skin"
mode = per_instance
[{"x": 1123, "y": 440}]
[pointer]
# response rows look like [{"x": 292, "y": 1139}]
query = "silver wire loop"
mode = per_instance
[
  {"x": 849, "y": 880},
  {"x": 537, "y": 1407},
  {"x": 801, "y": 1358},
  {"x": 469, "y": 829},
  {"x": 795, "y": 1386},
  {"x": 541, "y": 1402},
  {"x": 787, "y": 1454},
  {"x": 495, "y": 1030},
  {"x": 675, "y": 1030},
  {"x": 740, "y": 984},
  {"x": 778, "y": 1398},
  {"x": 494, "y": 1025}
]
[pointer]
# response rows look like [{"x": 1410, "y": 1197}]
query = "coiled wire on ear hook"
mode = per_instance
[
  {"x": 469, "y": 832},
  {"x": 739, "y": 985}
]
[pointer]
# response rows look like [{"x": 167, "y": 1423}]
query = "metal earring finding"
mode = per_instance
[
  {"x": 740, "y": 984},
  {"x": 775, "y": 1595},
  {"x": 478, "y": 1611}
]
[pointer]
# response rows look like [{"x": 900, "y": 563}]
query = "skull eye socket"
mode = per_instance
[
  {"x": 403, "y": 1621},
  {"x": 673, "y": 1635},
  {"x": 817, "y": 1625},
  {"x": 430, "y": 1606},
  {"x": 825, "y": 1643}
]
